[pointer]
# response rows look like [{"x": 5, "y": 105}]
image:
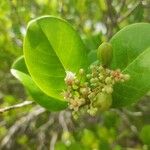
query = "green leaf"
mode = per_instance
[
  {"x": 51, "y": 47},
  {"x": 131, "y": 54},
  {"x": 145, "y": 134},
  {"x": 76, "y": 146},
  {"x": 92, "y": 41},
  {"x": 60, "y": 146},
  {"x": 20, "y": 71},
  {"x": 129, "y": 43},
  {"x": 92, "y": 56}
]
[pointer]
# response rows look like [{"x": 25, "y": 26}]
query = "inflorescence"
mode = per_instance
[{"x": 91, "y": 92}]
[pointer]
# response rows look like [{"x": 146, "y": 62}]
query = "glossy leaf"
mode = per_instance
[
  {"x": 51, "y": 47},
  {"x": 145, "y": 134},
  {"x": 20, "y": 71},
  {"x": 92, "y": 41},
  {"x": 129, "y": 43},
  {"x": 131, "y": 54},
  {"x": 92, "y": 56}
]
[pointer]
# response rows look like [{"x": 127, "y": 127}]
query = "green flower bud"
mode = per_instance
[
  {"x": 103, "y": 101},
  {"x": 105, "y": 54},
  {"x": 91, "y": 95},
  {"x": 84, "y": 91},
  {"x": 92, "y": 67},
  {"x": 92, "y": 111},
  {"x": 88, "y": 76},
  {"x": 101, "y": 77},
  {"x": 76, "y": 94},
  {"x": 108, "y": 89},
  {"x": 108, "y": 71},
  {"x": 122, "y": 80},
  {"x": 65, "y": 136},
  {"x": 75, "y": 115},
  {"x": 94, "y": 84},
  {"x": 77, "y": 81},
  {"x": 94, "y": 80},
  {"x": 75, "y": 87},
  {"x": 81, "y": 71},
  {"x": 81, "y": 101},
  {"x": 100, "y": 68},
  {"x": 108, "y": 80},
  {"x": 85, "y": 84},
  {"x": 126, "y": 77}
]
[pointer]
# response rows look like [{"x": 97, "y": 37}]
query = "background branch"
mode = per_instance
[
  {"x": 128, "y": 13},
  {"x": 23, "y": 104},
  {"x": 21, "y": 123}
]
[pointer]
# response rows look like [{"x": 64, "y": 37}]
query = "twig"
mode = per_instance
[
  {"x": 21, "y": 123},
  {"x": 14, "y": 7},
  {"x": 123, "y": 3},
  {"x": 126, "y": 120},
  {"x": 111, "y": 12},
  {"x": 23, "y": 104},
  {"x": 62, "y": 121},
  {"x": 42, "y": 132},
  {"x": 134, "y": 114},
  {"x": 112, "y": 18},
  {"x": 128, "y": 13},
  {"x": 53, "y": 141}
]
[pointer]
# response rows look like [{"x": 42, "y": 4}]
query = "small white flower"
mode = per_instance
[{"x": 70, "y": 77}]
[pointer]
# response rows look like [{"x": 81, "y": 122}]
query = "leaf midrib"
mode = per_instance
[
  {"x": 136, "y": 59},
  {"x": 50, "y": 44}
]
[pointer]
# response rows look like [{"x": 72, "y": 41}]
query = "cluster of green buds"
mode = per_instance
[{"x": 91, "y": 91}]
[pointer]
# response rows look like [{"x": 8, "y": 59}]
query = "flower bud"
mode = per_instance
[
  {"x": 77, "y": 81},
  {"x": 100, "y": 68},
  {"x": 81, "y": 101},
  {"x": 92, "y": 111},
  {"x": 108, "y": 80},
  {"x": 75, "y": 87},
  {"x": 88, "y": 76},
  {"x": 108, "y": 89},
  {"x": 81, "y": 71},
  {"x": 94, "y": 80},
  {"x": 103, "y": 101},
  {"x": 84, "y": 91},
  {"x": 70, "y": 77},
  {"x": 92, "y": 67},
  {"x": 91, "y": 95},
  {"x": 105, "y": 54},
  {"x": 101, "y": 77},
  {"x": 126, "y": 77},
  {"x": 75, "y": 115}
]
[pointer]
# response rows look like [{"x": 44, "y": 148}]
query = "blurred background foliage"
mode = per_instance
[{"x": 32, "y": 127}]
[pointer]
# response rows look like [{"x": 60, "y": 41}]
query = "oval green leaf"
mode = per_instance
[
  {"x": 145, "y": 134},
  {"x": 129, "y": 43},
  {"x": 20, "y": 71},
  {"x": 131, "y": 53},
  {"x": 51, "y": 47}
]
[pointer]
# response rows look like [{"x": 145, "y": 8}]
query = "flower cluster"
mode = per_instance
[{"x": 91, "y": 92}]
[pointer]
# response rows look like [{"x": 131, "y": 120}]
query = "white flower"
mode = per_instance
[{"x": 70, "y": 77}]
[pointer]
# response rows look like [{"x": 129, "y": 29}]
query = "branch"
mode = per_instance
[
  {"x": 20, "y": 124},
  {"x": 133, "y": 114},
  {"x": 53, "y": 140},
  {"x": 62, "y": 121},
  {"x": 42, "y": 132},
  {"x": 128, "y": 13},
  {"x": 112, "y": 18},
  {"x": 112, "y": 14},
  {"x": 23, "y": 104},
  {"x": 123, "y": 3}
]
